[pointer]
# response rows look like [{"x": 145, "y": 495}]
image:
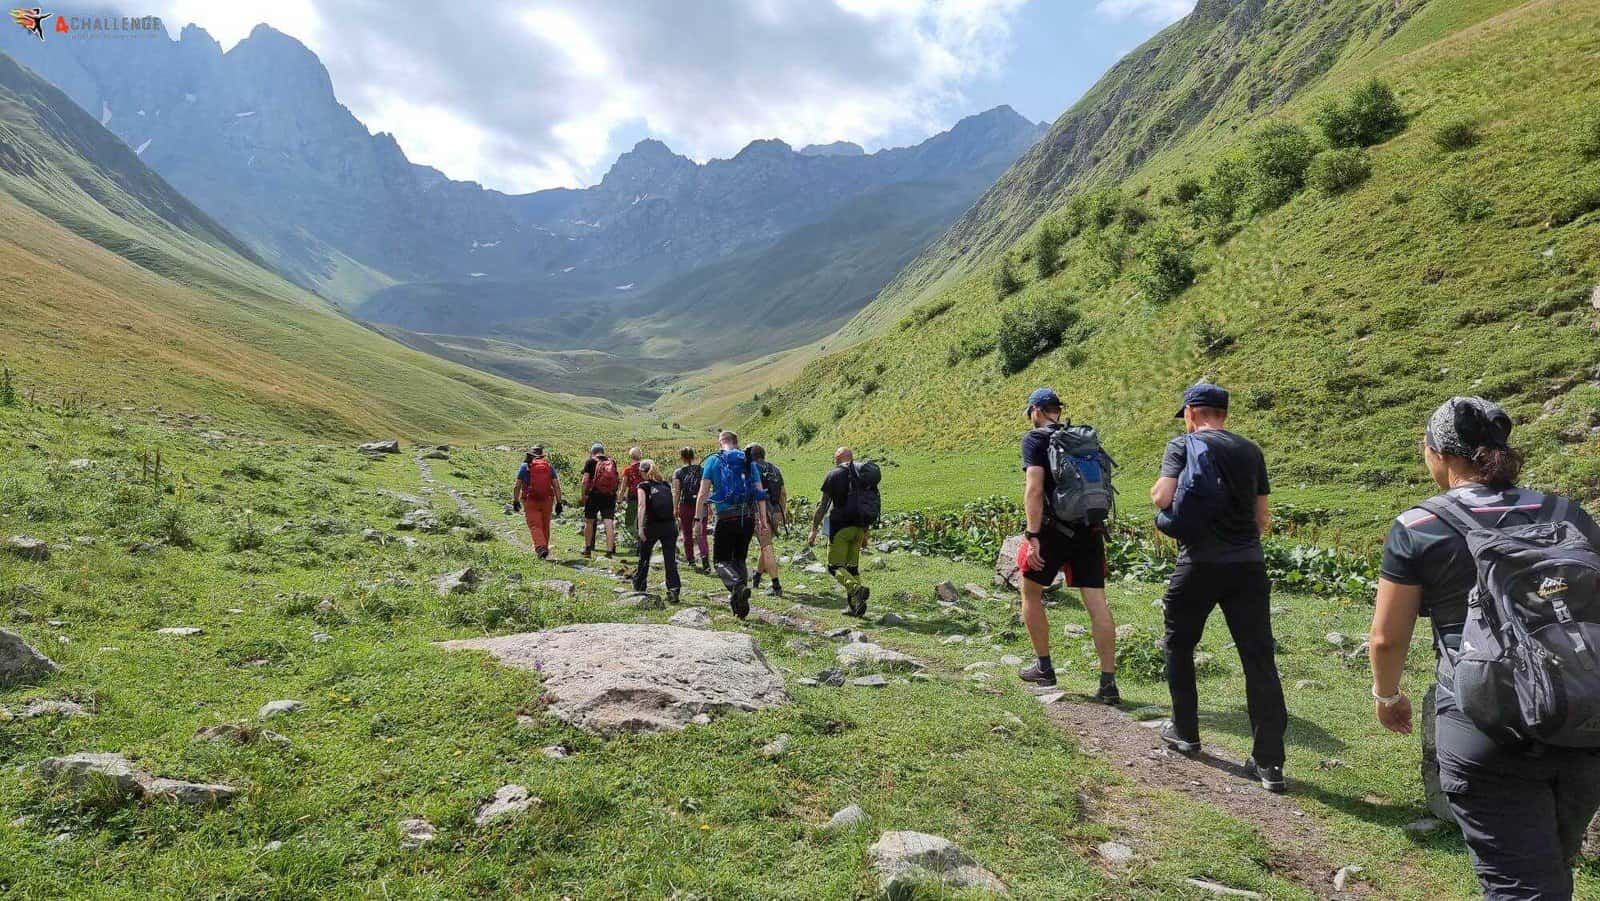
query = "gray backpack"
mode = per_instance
[
  {"x": 1527, "y": 671},
  {"x": 1083, "y": 496}
]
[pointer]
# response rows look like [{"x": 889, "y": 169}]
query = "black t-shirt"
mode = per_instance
[
  {"x": 1234, "y": 537},
  {"x": 1036, "y": 452},
  {"x": 836, "y": 488}
]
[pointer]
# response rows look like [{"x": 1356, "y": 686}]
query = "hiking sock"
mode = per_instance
[
  {"x": 1108, "y": 680},
  {"x": 1045, "y": 666},
  {"x": 777, "y": 588},
  {"x": 756, "y": 582}
]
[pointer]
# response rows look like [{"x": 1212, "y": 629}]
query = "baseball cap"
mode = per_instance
[
  {"x": 1043, "y": 397},
  {"x": 537, "y": 450},
  {"x": 598, "y": 448},
  {"x": 1203, "y": 394}
]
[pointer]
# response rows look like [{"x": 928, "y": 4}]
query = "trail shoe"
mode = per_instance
[
  {"x": 588, "y": 553},
  {"x": 858, "y": 601},
  {"x": 672, "y": 596},
  {"x": 544, "y": 553},
  {"x": 1171, "y": 738},
  {"x": 1109, "y": 695},
  {"x": 1038, "y": 676},
  {"x": 739, "y": 601},
  {"x": 776, "y": 590},
  {"x": 1270, "y": 777},
  {"x": 756, "y": 582}
]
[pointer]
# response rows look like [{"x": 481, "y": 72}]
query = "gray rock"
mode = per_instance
[
  {"x": 320, "y": 638},
  {"x": 63, "y": 709},
  {"x": 392, "y": 446},
  {"x": 416, "y": 832},
  {"x": 1126, "y": 631},
  {"x": 946, "y": 593},
  {"x": 953, "y": 639},
  {"x": 28, "y": 548},
  {"x": 238, "y": 733},
  {"x": 783, "y": 620},
  {"x": 1216, "y": 888},
  {"x": 555, "y": 752},
  {"x": 975, "y": 591},
  {"x": 189, "y": 794},
  {"x": 833, "y": 678},
  {"x": 1342, "y": 878},
  {"x": 877, "y": 564},
  {"x": 1114, "y": 853},
  {"x": 508, "y": 801},
  {"x": 700, "y": 719},
  {"x": 1005, "y": 563},
  {"x": 691, "y": 618},
  {"x": 807, "y": 556},
  {"x": 558, "y": 586},
  {"x": 459, "y": 582},
  {"x": 905, "y": 861},
  {"x": 776, "y": 748},
  {"x": 81, "y": 464},
  {"x": 373, "y": 535},
  {"x": 806, "y": 681},
  {"x": 1010, "y": 660},
  {"x": 846, "y": 819},
  {"x": 816, "y": 569},
  {"x": 979, "y": 665},
  {"x": 180, "y": 631},
  {"x": 870, "y": 681},
  {"x": 891, "y": 619},
  {"x": 866, "y": 655},
  {"x": 278, "y": 708},
  {"x": 436, "y": 455},
  {"x": 1337, "y": 639},
  {"x": 127, "y": 782},
  {"x": 20, "y": 664},
  {"x": 612, "y": 678},
  {"x": 1307, "y": 685},
  {"x": 1423, "y": 826},
  {"x": 1051, "y": 697},
  {"x": 642, "y": 600}
]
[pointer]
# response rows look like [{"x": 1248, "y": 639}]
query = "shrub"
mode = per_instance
[
  {"x": 246, "y": 534},
  {"x": 1006, "y": 282},
  {"x": 1132, "y": 217},
  {"x": 1187, "y": 190},
  {"x": 1461, "y": 202},
  {"x": 925, "y": 314},
  {"x": 1588, "y": 138},
  {"x": 804, "y": 431},
  {"x": 1337, "y": 171},
  {"x": 1030, "y": 329},
  {"x": 869, "y": 387},
  {"x": 972, "y": 346},
  {"x": 1166, "y": 266},
  {"x": 1582, "y": 198},
  {"x": 1106, "y": 253},
  {"x": 1047, "y": 249},
  {"x": 766, "y": 410},
  {"x": 8, "y": 388},
  {"x": 1457, "y": 134},
  {"x": 1139, "y": 656},
  {"x": 1370, "y": 115},
  {"x": 1218, "y": 202},
  {"x": 841, "y": 408},
  {"x": 1279, "y": 155},
  {"x": 1210, "y": 337},
  {"x": 172, "y": 528}
]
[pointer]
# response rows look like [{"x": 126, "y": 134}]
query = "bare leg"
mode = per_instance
[
  {"x": 611, "y": 536},
  {"x": 588, "y": 534},
  {"x": 1102, "y": 627},
  {"x": 1034, "y": 618}
]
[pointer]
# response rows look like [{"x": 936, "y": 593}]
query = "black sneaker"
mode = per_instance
[
  {"x": 1270, "y": 777},
  {"x": 776, "y": 590},
  {"x": 860, "y": 601},
  {"x": 1109, "y": 695},
  {"x": 672, "y": 596},
  {"x": 588, "y": 553},
  {"x": 739, "y": 601},
  {"x": 1040, "y": 677},
  {"x": 1170, "y": 737},
  {"x": 544, "y": 553},
  {"x": 756, "y": 582}
]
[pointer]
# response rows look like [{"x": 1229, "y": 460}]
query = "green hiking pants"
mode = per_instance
[{"x": 844, "y": 557}]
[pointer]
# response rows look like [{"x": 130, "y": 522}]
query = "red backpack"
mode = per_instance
[
  {"x": 541, "y": 485},
  {"x": 605, "y": 478}
]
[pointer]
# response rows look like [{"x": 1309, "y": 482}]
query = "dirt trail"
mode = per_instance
[{"x": 515, "y": 537}]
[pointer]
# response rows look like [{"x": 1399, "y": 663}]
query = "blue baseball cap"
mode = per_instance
[
  {"x": 1042, "y": 397},
  {"x": 597, "y": 448},
  {"x": 1203, "y": 394}
]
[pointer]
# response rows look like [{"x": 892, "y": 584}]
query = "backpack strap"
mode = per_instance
[{"x": 1453, "y": 512}]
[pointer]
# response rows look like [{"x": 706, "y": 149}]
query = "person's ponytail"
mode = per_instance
[{"x": 1498, "y": 467}]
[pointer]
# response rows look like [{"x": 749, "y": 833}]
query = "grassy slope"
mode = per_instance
[
  {"x": 395, "y": 728},
  {"x": 118, "y": 288},
  {"x": 1353, "y": 316}
]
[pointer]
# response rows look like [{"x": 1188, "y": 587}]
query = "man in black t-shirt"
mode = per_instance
[
  {"x": 1050, "y": 548},
  {"x": 1223, "y": 566}
]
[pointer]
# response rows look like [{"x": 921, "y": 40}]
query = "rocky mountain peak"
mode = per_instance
[{"x": 837, "y": 148}]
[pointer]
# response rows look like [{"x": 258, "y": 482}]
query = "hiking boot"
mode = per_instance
[
  {"x": 739, "y": 601},
  {"x": 543, "y": 552},
  {"x": 858, "y": 601},
  {"x": 1041, "y": 677},
  {"x": 588, "y": 553},
  {"x": 1109, "y": 695},
  {"x": 1171, "y": 738},
  {"x": 756, "y": 582},
  {"x": 776, "y": 590},
  {"x": 1270, "y": 777},
  {"x": 672, "y": 596}
]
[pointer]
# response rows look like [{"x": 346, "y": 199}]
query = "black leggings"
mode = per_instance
[
  {"x": 730, "y": 548},
  {"x": 669, "y": 559}
]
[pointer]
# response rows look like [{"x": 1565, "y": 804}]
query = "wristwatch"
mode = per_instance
[
  {"x": 1030, "y": 534},
  {"x": 1388, "y": 700}
]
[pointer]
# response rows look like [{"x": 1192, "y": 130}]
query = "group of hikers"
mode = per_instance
[
  {"x": 744, "y": 490},
  {"x": 1508, "y": 576}
]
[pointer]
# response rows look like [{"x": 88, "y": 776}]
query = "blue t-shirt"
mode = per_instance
[
  {"x": 712, "y": 472},
  {"x": 522, "y": 471}
]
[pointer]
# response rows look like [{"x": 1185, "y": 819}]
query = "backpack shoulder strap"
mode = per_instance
[{"x": 1453, "y": 512}]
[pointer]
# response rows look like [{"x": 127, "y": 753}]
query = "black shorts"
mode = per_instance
[
  {"x": 1081, "y": 557},
  {"x": 600, "y": 506}
]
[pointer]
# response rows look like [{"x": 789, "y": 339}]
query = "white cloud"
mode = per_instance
[
  {"x": 522, "y": 95},
  {"x": 1160, "y": 12}
]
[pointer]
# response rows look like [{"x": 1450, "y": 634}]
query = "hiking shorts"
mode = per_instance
[
  {"x": 1081, "y": 557},
  {"x": 600, "y": 506}
]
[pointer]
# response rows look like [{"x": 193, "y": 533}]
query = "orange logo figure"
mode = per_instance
[
  {"x": 61, "y": 25},
  {"x": 32, "y": 21}
]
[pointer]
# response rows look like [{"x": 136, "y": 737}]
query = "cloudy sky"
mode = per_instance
[{"x": 523, "y": 95}]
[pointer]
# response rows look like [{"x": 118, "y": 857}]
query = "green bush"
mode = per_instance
[
  {"x": 1106, "y": 253},
  {"x": 8, "y": 388},
  {"x": 841, "y": 408},
  {"x": 1006, "y": 282},
  {"x": 1031, "y": 329},
  {"x": 804, "y": 431},
  {"x": 1047, "y": 249},
  {"x": 1457, "y": 134},
  {"x": 1139, "y": 656},
  {"x": 1166, "y": 266},
  {"x": 1218, "y": 201},
  {"x": 1588, "y": 138},
  {"x": 1337, "y": 171},
  {"x": 972, "y": 346},
  {"x": 246, "y": 534},
  {"x": 1461, "y": 202},
  {"x": 766, "y": 410},
  {"x": 1187, "y": 190},
  {"x": 1211, "y": 337},
  {"x": 1279, "y": 155},
  {"x": 869, "y": 387},
  {"x": 1370, "y": 115}
]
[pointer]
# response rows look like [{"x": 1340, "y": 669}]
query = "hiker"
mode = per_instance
[
  {"x": 657, "y": 525},
  {"x": 537, "y": 494},
  {"x": 768, "y": 529},
  {"x": 1065, "y": 535},
  {"x": 685, "y": 490},
  {"x": 601, "y": 481},
  {"x": 631, "y": 477},
  {"x": 1212, "y": 495},
  {"x": 731, "y": 482},
  {"x": 1522, "y": 803},
  {"x": 851, "y": 502}
]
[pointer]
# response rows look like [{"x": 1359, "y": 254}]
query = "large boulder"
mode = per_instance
[
  {"x": 459, "y": 582},
  {"x": 906, "y": 861},
  {"x": 375, "y": 448},
  {"x": 1006, "y": 573},
  {"x": 612, "y": 678},
  {"x": 20, "y": 664}
]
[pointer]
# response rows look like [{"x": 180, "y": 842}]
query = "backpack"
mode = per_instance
[
  {"x": 688, "y": 477},
  {"x": 541, "y": 481},
  {"x": 658, "y": 503},
  {"x": 605, "y": 479},
  {"x": 1081, "y": 470},
  {"x": 1526, "y": 670},
  {"x": 771, "y": 478},
  {"x": 1201, "y": 497},
  {"x": 734, "y": 484},
  {"x": 864, "y": 505}
]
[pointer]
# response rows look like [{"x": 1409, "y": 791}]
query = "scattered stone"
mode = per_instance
[
  {"x": 870, "y": 681},
  {"x": 1307, "y": 685},
  {"x": 278, "y": 708},
  {"x": 1223, "y": 890},
  {"x": 127, "y": 782},
  {"x": 975, "y": 591},
  {"x": 459, "y": 582},
  {"x": 508, "y": 801},
  {"x": 1051, "y": 697},
  {"x": 1010, "y": 660},
  {"x": 816, "y": 569},
  {"x": 1126, "y": 631},
  {"x": 1005, "y": 563},
  {"x": 806, "y": 681},
  {"x": 1114, "y": 853},
  {"x": 891, "y": 619},
  {"x": 436, "y": 455},
  {"x": 615, "y": 678},
  {"x": 776, "y": 748},
  {"x": 1203, "y": 660},
  {"x": 80, "y": 465},
  {"x": 189, "y": 794},
  {"x": 1423, "y": 826},
  {"x": 20, "y": 664},
  {"x": 238, "y": 733},
  {"x": 1337, "y": 639},
  {"x": 558, "y": 586},
  {"x": 273, "y": 846},
  {"x": 180, "y": 631},
  {"x": 555, "y": 752},
  {"x": 783, "y": 620},
  {"x": 807, "y": 556},
  {"x": 28, "y": 548},
  {"x": 63, "y": 709},
  {"x": 142, "y": 548},
  {"x": 1360, "y": 651},
  {"x": 979, "y": 665},
  {"x": 320, "y": 638},
  {"x": 1145, "y": 714},
  {"x": 832, "y": 678},
  {"x": 407, "y": 541},
  {"x": 906, "y": 860},
  {"x": 865, "y": 655},
  {"x": 846, "y": 819},
  {"x": 691, "y": 618},
  {"x": 700, "y": 719},
  {"x": 642, "y": 600},
  {"x": 375, "y": 448},
  {"x": 946, "y": 593},
  {"x": 372, "y": 535},
  {"x": 1345, "y": 874},
  {"x": 954, "y": 639},
  {"x": 847, "y": 635},
  {"x": 416, "y": 832},
  {"x": 877, "y": 564}
]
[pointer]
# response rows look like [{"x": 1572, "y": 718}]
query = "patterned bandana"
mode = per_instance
[{"x": 1461, "y": 425}]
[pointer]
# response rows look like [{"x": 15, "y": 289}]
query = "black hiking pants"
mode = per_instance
[
  {"x": 669, "y": 558},
  {"x": 1244, "y": 593},
  {"x": 730, "y": 548}
]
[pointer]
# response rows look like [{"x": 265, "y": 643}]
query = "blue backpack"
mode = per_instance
[
  {"x": 1201, "y": 497},
  {"x": 734, "y": 483}
]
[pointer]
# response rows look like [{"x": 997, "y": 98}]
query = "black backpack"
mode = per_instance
[
  {"x": 771, "y": 479},
  {"x": 1081, "y": 470},
  {"x": 1526, "y": 670},
  {"x": 689, "y": 482},
  {"x": 864, "y": 504},
  {"x": 658, "y": 503}
]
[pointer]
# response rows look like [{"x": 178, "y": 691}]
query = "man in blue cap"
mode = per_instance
[
  {"x": 1219, "y": 519},
  {"x": 1049, "y": 548}
]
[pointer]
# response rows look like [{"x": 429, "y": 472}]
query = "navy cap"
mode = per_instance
[
  {"x": 1043, "y": 397},
  {"x": 1203, "y": 394}
]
